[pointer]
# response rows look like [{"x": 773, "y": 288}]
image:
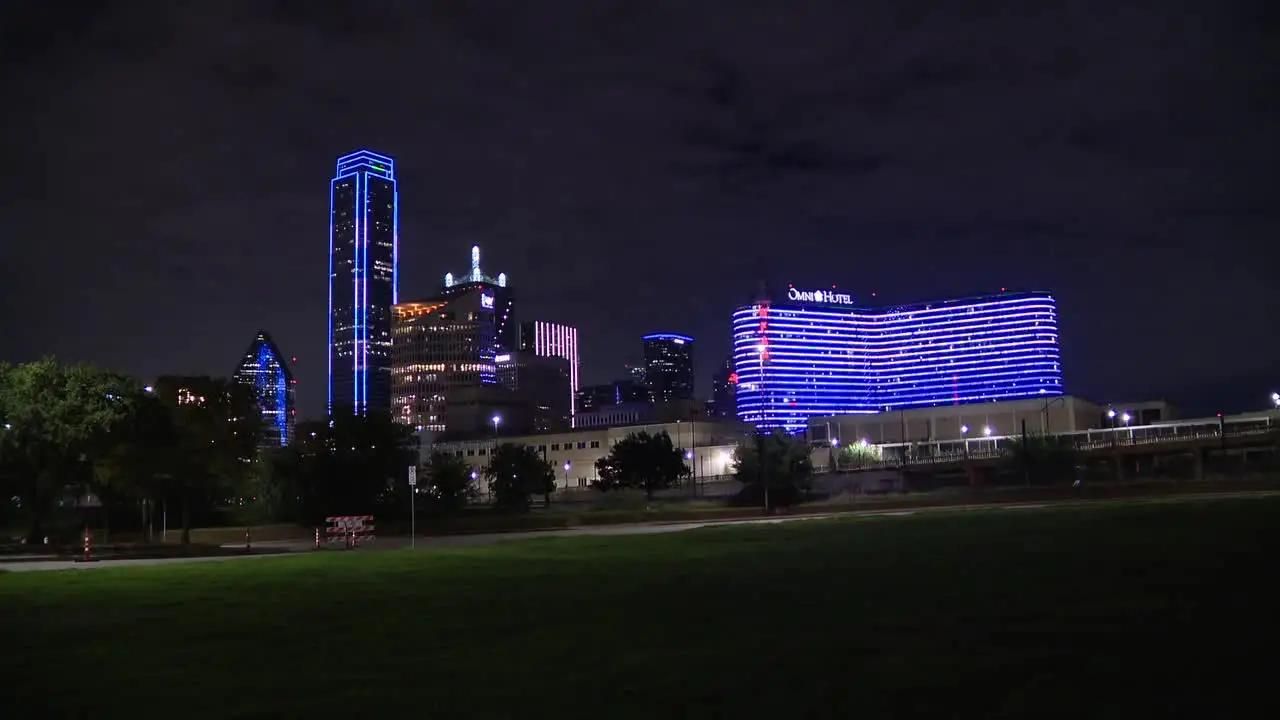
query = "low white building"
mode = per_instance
[{"x": 708, "y": 447}]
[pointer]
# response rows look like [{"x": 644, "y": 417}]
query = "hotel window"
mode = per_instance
[
  {"x": 555, "y": 446},
  {"x": 582, "y": 445},
  {"x": 595, "y": 443},
  {"x": 481, "y": 452},
  {"x": 471, "y": 453}
]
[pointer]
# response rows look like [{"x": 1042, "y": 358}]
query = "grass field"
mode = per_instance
[{"x": 1125, "y": 611}]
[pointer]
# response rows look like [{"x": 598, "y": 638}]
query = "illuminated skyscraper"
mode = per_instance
[
  {"x": 817, "y": 353},
  {"x": 263, "y": 368},
  {"x": 546, "y": 339},
  {"x": 668, "y": 367},
  {"x": 363, "y": 249},
  {"x": 501, "y": 297}
]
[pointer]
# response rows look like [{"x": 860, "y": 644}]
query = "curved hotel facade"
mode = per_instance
[{"x": 817, "y": 353}]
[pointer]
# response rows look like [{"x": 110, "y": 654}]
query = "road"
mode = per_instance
[{"x": 480, "y": 539}]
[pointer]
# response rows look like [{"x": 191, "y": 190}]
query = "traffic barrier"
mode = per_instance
[{"x": 352, "y": 530}]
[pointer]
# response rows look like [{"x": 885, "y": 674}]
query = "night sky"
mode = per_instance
[{"x": 644, "y": 166}]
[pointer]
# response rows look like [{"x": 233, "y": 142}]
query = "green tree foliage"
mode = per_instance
[
  {"x": 775, "y": 469},
  {"x": 856, "y": 455},
  {"x": 54, "y": 419},
  {"x": 140, "y": 458},
  {"x": 357, "y": 465},
  {"x": 447, "y": 486},
  {"x": 641, "y": 460},
  {"x": 1041, "y": 460},
  {"x": 514, "y": 473},
  {"x": 217, "y": 424}
]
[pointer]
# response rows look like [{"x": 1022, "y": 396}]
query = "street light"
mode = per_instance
[
  {"x": 566, "y": 474},
  {"x": 495, "y": 420},
  {"x": 1125, "y": 418},
  {"x": 1275, "y": 398},
  {"x": 986, "y": 430}
]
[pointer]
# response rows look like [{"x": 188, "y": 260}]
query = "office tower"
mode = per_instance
[
  {"x": 264, "y": 369},
  {"x": 444, "y": 355},
  {"x": 817, "y": 353},
  {"x": 668, "y": 367},
  {"x": 723, "y": 384},
  {"x": 539, "y": 395},
  {"x": 546, "y": 339},
  {"x": 505, "y": 328},
  {"x": 363, "y": 250}
]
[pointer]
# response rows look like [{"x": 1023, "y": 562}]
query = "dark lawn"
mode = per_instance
[{"x": 1126, "y": 611}]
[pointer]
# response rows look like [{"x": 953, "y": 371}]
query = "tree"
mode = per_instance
[
  {"x": 448, "y": 482},
  {"x": 1041, "y": 459},
  {"x": 139, "y": 458},
  {"x": 53, "y": 419},
  {"x": 641, "y": 460},
  {"x": 514, "y": 473},
  {"x": 355, "y": 464},
  {"x": 774, "y": 469},
  {"x": 217, "y": 425}
]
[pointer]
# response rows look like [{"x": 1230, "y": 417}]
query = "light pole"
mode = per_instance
[
  {"x": 688, "y": 458},
  {"x": 1125, "y": 418},
  {"x": 1275, "y": 399},
  {"x": 496, "y": 420},
  {"x": 964, "y": 433},
  {"x": 567, "y": 465}
]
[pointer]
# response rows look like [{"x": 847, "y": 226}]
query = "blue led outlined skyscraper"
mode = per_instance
[
  {"x": 817, "y": 353},
  {"x": 264, "y": 369},
  {"x": 364, "y": 228}
]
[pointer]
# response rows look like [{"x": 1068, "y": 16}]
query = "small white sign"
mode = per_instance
[{"x": 413, "y": 475}]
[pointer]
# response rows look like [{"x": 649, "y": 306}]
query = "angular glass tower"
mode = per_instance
[
  {"x": 668, "y": 367},
  {"x": 264, "y": 369},
  {"x": 364, "y": 220}
]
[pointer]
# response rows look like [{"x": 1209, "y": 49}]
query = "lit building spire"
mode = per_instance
[{"x": 475, "y": 263}]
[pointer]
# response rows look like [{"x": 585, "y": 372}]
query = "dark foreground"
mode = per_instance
[{"x": 1123, "y": 611}]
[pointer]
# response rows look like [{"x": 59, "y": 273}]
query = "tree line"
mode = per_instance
[{"x": 190, "y": 445}]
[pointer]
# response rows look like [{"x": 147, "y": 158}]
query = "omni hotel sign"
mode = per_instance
[{"x": 819, "y": 296}]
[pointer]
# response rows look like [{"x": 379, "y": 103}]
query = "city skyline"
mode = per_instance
[{"x": 630, "y": 185}]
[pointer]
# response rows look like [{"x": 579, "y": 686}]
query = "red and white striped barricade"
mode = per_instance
[{"x": 349, "y": 530}]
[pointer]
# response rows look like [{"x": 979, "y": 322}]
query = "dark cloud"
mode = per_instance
[{"x": 642, "y": 166}]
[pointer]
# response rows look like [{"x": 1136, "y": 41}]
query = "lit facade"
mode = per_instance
[
  {"x": 363, "y": 253},
  {"x": 668, "y": 367},
  {"x": 264, "y": 369},
  {"x": 440, "y": 346},
  {"x": 723, "y": 385},
  {"x": 546, "y": 339},
  {"x": 501, "y": 299},
  {"x": 818, "y": 354}
]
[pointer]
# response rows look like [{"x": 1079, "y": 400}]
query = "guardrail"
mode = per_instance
[{"x": 943, "y": 452}]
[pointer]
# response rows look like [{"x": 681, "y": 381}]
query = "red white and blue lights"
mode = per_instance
[{"x": 818, "y": 355}]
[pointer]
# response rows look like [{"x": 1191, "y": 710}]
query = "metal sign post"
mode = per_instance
[{"x": 413, "y": 503}]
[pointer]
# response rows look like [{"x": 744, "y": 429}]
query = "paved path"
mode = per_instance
[{"x": 478, "y": 539}]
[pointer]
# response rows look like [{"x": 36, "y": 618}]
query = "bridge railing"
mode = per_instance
[{"x": 937, "y": 452}]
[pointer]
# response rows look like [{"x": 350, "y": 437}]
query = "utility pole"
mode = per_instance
[
  {"x": 760, "y": 470},
  {"x": 1026, "y": 457}
]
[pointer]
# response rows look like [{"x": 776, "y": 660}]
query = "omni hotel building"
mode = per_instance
[{"x": 817, "y": 353}]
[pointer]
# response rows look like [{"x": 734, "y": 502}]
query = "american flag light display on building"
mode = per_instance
[
  {"x": 546, "y": 339},
  {"x": 818, "y": 354}
]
